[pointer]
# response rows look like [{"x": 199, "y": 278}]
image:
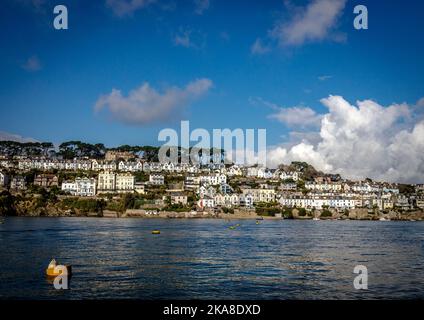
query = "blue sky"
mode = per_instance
[{"x": 51, "y": 80}]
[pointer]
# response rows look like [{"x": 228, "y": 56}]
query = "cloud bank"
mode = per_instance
[
  {"x": 363, "y": 140},
  {"x": 145, "y": 105},
  {"x": 297, "y": 117},
  {"x": 315, "y": 22},
  {"x": 6, "y": 136},
  {"x": 122, "y": 8}
]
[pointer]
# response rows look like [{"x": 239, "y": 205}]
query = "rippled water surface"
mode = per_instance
[{"x": 204, "y": 259}]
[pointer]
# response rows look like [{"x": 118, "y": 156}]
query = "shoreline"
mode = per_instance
[{"x": 203, "y": 217}]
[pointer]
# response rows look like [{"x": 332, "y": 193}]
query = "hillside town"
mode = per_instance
[{"x": 126, "y": 183}]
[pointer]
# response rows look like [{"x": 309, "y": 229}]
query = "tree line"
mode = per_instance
[{"x": 78, "y": 149}]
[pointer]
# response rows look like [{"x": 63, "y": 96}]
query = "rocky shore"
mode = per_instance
[
  {"x": 27, "y": 209},
  {"x": 46, "y": 205}
]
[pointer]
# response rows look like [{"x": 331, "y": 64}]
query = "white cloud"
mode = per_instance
[
  {"x": 189, "y": 39},
  {"x": 297, "y": 116},
  {"x": 145, "y": 105},
  {"x": 183, "y": 39},
  {"x": 259, "y": 48},
  {"x": 33, "y": 64},
  {"x": 315, "y": 22},
  {"x": 6, "y": 136},
  {"x": 324, "y": 77},
  {"x": 420, "y": 103},
  {"x": 123, "y": 8},
  {"x": 366, "y": 140},
  {"x": 201, "y": 6}
]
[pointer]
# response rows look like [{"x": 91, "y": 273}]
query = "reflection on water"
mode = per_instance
[{"x": 204, "y": 259}]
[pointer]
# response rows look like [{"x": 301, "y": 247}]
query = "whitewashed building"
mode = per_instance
[
  {"x": 213, "y": 179},
  {"x": 156, "y": 179},
  {"x": 206, "y": 202},
  {"x": 82, "y": 187},
  {"x": 4, "y": 180},
  {"x": 291, "y": 175},
  {"x": 124, "y": 182}
]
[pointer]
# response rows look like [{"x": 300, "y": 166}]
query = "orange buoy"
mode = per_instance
[{"x": 51, "y": 272}]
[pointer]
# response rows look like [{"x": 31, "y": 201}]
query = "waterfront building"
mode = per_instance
[
  {"x": 106, "y": 181},
  {"x": 178, "y": 198},
  {"x": 82, "y": 187},
  {"x": 206, "y": 202},
  {"x": 260, "y": 194},
  {"x": 124, "y": 182}
]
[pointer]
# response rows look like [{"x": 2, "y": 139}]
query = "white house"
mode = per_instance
[
  {"x": 156, "y": 179},
  {"x": 264, "y": 173},
  {"x": 124, "y": 182},
  {"x": 260, "y": 194},
  {"x": 86, "y": 187},
  {"x": 4, "y": 180},
  {"x": 110, "y": 181},
  {"x": 234, "y": 171},
  {"x": 18, "y": 183},
  {"x": 291, "y": 175},
  {"x": 331, "y": 187},
  {"x": 69, "y": 187},
  {"x": 106, "y": 181},
  {"x": 83, "y": 187},
  {"x": 192, "y": 182},
  {"x": 206, "y": 202},
  {"x": 317, "y": 202},
  {"x": 130, "y": 166},
  {"x": 214, "y": 179},
  {"x": 103, "y": 165}
]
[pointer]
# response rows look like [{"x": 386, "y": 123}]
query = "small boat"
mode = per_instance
[
  {"x": 260, "y": 218},
  {"x": 257, "y": 222},
  {"x": 384, "y": 219},
  {"x": 232, "y": 228},
  {"x": 155, "y": 232},
  {"x": 51, "y": 272},
  {"x": 316, "y": 219}
]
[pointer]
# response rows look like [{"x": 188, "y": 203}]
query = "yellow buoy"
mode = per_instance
[
  {"x": 155, "y": 232},
  {"x": 51, "y": 272}
]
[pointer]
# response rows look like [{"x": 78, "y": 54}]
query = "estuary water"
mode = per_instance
[{"x": 204, "y": 259}]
